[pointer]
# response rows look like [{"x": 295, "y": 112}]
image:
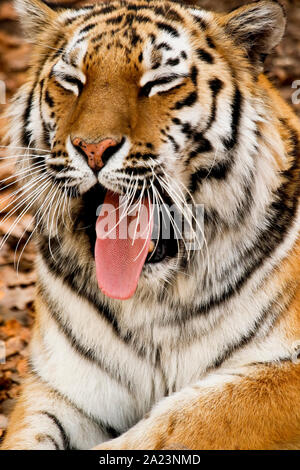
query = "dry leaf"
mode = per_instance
[{"x": 13, "y": 346}]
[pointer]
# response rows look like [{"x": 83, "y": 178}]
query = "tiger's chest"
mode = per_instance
[
  {"x": 116, "y": 365},
  {"x": 112, "y": 372}
]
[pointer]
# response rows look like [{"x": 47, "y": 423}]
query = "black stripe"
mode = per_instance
[
  {"x": 137, "y": 7},
  {"x": 49, "y": 100},
  {"x": 70, "y": 21},
  {"x": 115, "y": 20},
  {"x": 129, "y": 19},
  {"x": 47, "y": 437},
  {"x": 216, "y": 86},
  {"x": 174, "y": 143},
  {"x": 55, "y": 420},
  {"x": 186, "y": 128},
  {"x": 159, "y": 365},
  {"x": 135, "y": 38},
  {"x": 58, "y": 168},
  {"x": 210, "y": 42},
  {"x": 173, "y": 62},
  {"x": 205, "y": 56},
  {"x": 218, "y": 172},
  {"x": 107, "y": 9},
  {"x": 202, "y": 23},
  {"x": 143, "y": 156},
  {"x": 164, "y": 45},
  {"x": 73, "y": 81},
  {"x": 156, "y": 65},
  {"x": 41, "y": 90},
  {"x": 146, "y": 89},
  {"x": 26, "y": 138},
  {"x": 87, "y": 28},
  {"x": 235, "y": 119},
  {"x": 194, "y": 75},
  {"x": 142, "y": 19},
  {"x": 168, "y": 28},
  {"x": 45, "y": 133},
  {"x": 69, "y": 79},
  {"x": 203, "y": 145},
  {"x": 137, "y": 171},
  {"x": 189, "y": 100},
  {"x": 110, "y": 431},
  {"x": 60, "y": 180}
]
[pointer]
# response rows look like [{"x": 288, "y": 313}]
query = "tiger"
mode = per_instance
[{"x": 147, "y": 103}]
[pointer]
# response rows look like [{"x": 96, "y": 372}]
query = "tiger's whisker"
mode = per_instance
[
  {"x": 30, "y": 236},
  {"x": 23, "y": 148},
  {"x": 16, "y": 207},
  {"x": 25, "y": 210},
  {"x": 22, "y": 191},
  {"x": 15, "y": 176}
]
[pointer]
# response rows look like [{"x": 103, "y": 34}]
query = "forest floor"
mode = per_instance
[{"x": 17, "y": 285}]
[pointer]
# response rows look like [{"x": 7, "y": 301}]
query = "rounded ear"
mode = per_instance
[
  {"x": 257, "y": 27},
  {"x": 34, "y": 16}
]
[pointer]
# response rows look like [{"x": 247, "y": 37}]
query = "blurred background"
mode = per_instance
[{"x": 17, "y": 289}]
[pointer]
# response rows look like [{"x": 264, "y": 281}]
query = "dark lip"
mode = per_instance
[{"x": 164, "y": 248}]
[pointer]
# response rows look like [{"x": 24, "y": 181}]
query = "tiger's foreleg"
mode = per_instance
[
  {"x": 45, "y": 420},
  {"x": 251, "y": 408}
]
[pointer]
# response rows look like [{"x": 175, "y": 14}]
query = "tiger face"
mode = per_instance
[{"x": 144, "y": 100}]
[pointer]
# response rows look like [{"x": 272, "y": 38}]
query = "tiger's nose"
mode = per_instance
[{"x": 97, "y": 154}]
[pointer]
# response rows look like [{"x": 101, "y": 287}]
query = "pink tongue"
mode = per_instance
[{"x": 120, "y": 254}]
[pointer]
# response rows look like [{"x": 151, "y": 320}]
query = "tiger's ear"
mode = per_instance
[
  {"x": 257, "y": 27},
  {"x": 34, "y": 16}
]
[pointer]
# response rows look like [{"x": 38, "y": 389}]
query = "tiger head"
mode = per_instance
[{"x": 151, "y": 100}]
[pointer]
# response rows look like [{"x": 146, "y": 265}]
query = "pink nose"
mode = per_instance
[{"x": 94, "y": 152}]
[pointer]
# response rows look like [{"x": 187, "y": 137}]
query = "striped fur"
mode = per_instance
[{"x": 202, "y": 355}]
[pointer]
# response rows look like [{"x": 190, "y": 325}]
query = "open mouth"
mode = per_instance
[{"x": 126, "y": 242}]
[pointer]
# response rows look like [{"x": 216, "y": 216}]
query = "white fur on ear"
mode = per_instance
[
  {"x": 257, "y": 27},
  {"x": 34, "y": 16}
]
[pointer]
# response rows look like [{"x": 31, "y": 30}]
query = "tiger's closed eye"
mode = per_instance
[
  {"x": 70, "y": 83},
  {"x": 69, "y": 77},
  {"x": 160, "y": 85}
]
